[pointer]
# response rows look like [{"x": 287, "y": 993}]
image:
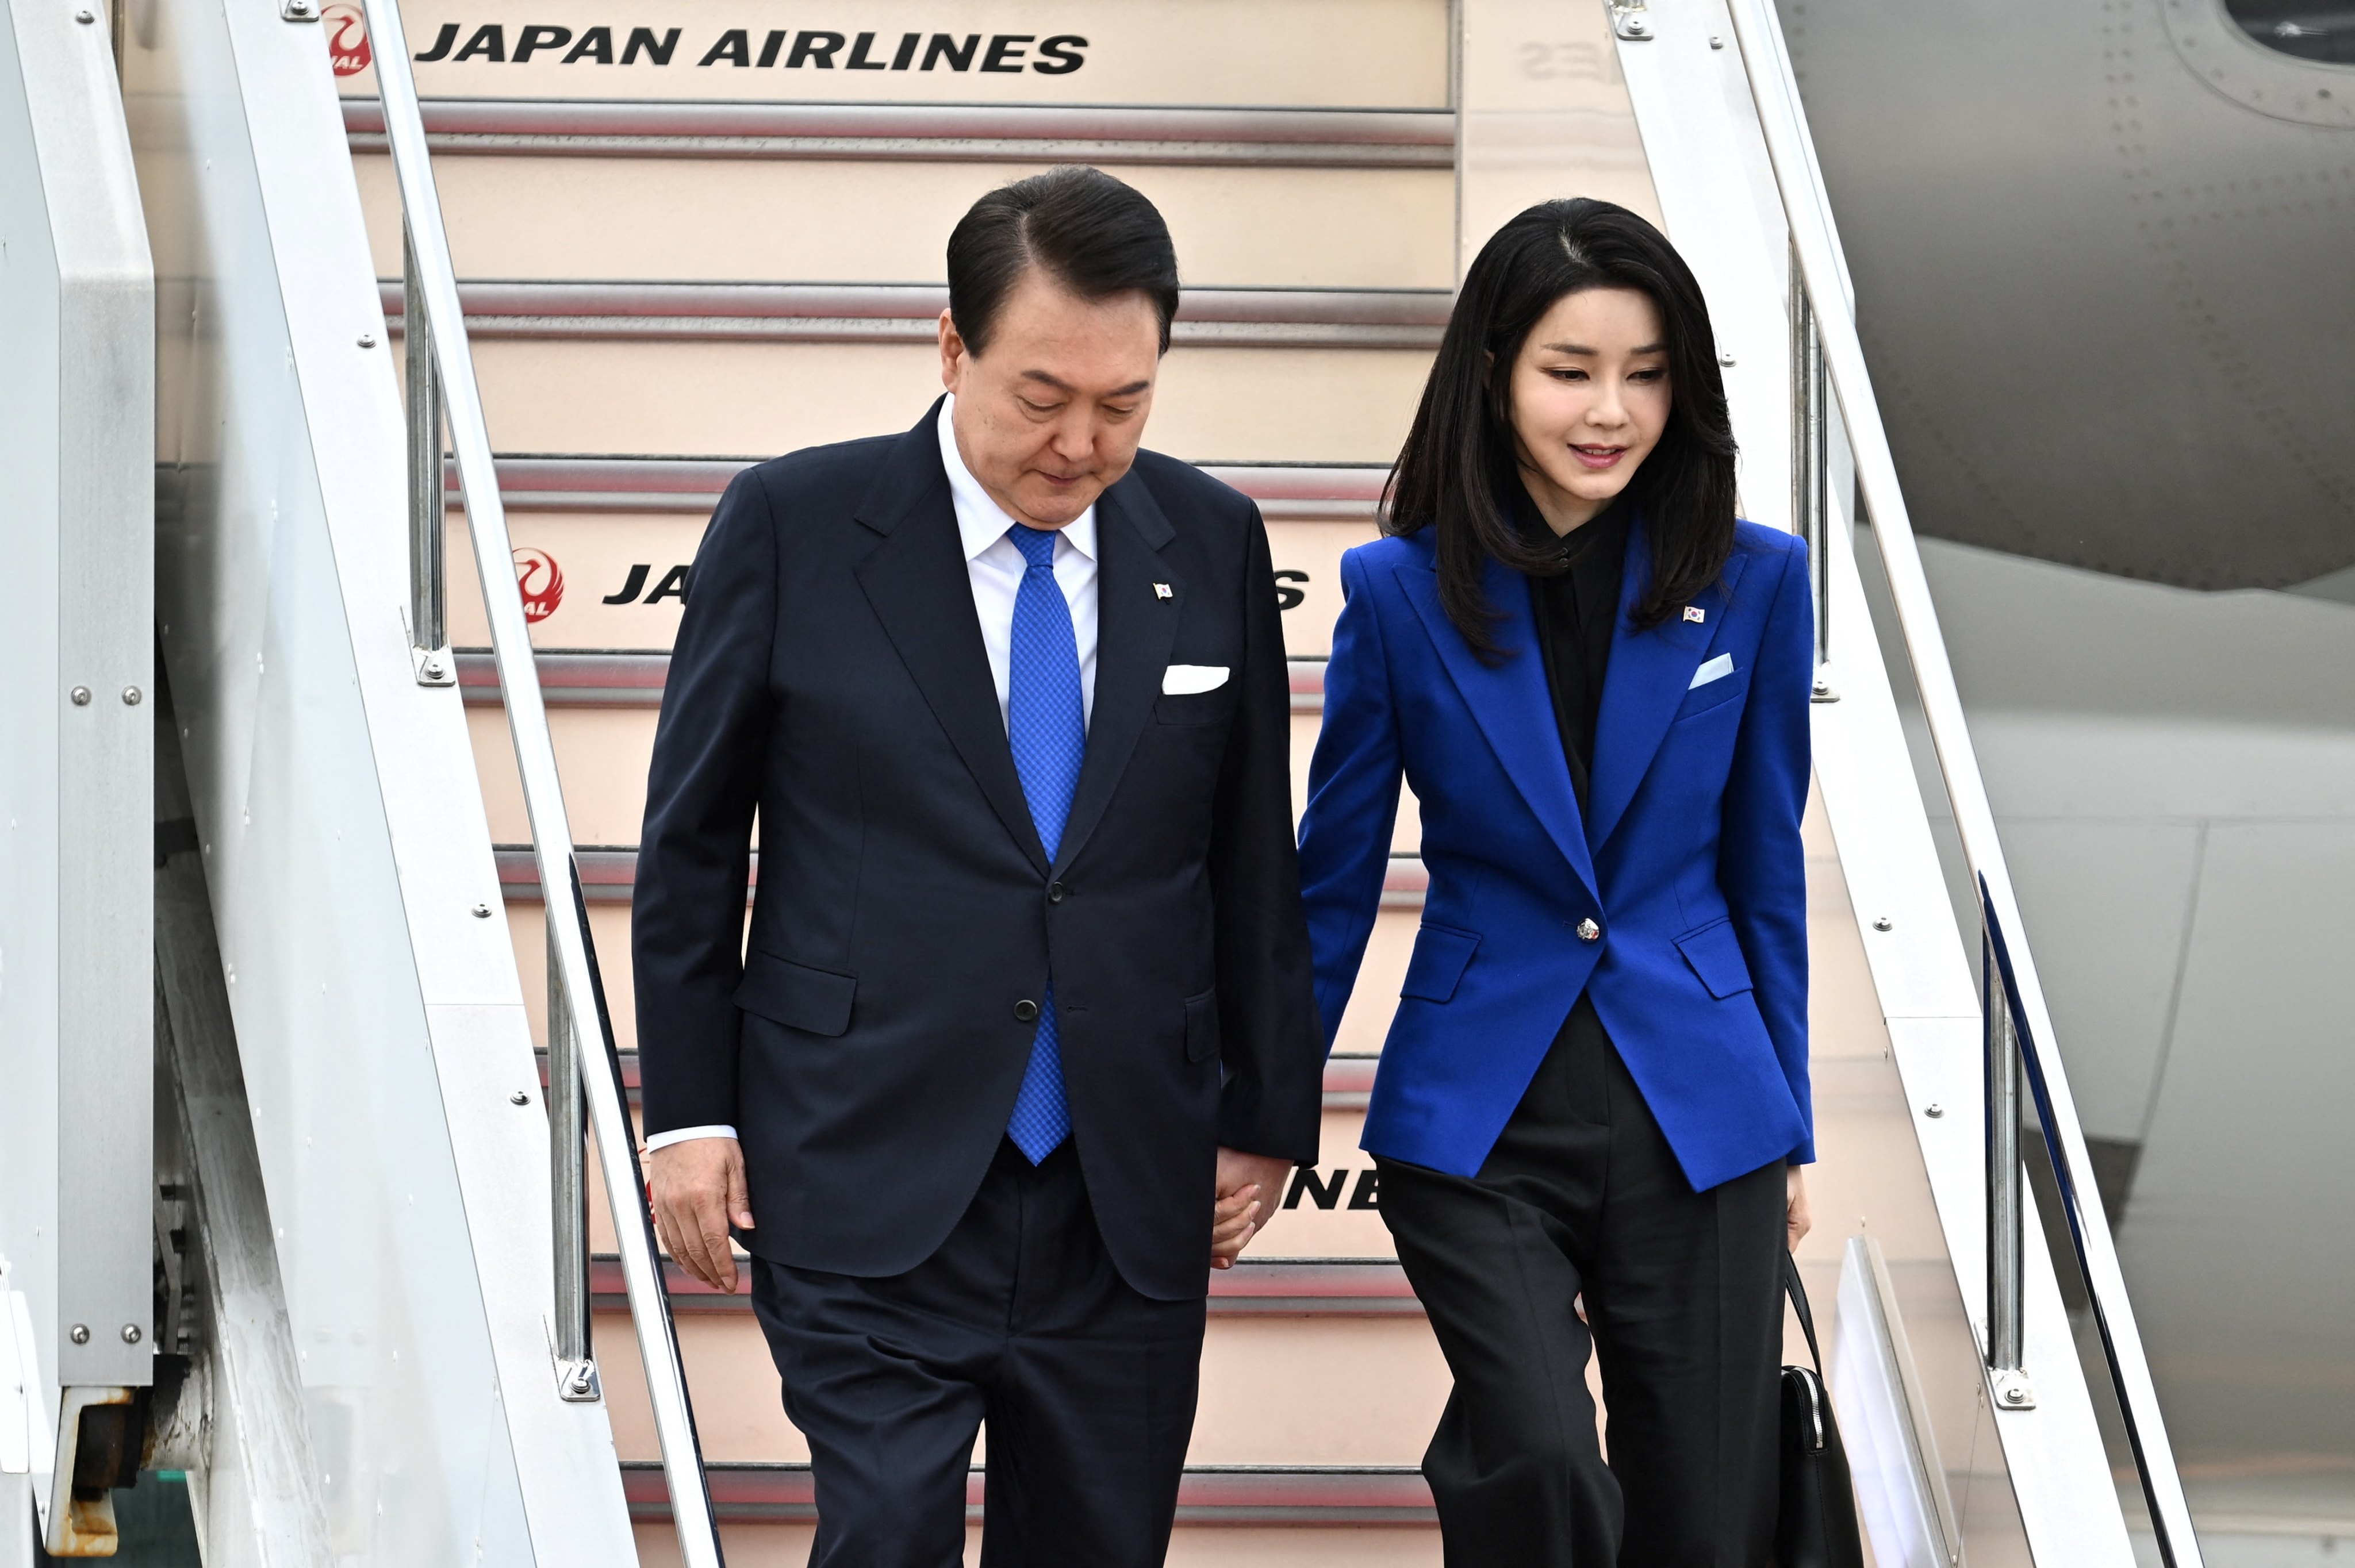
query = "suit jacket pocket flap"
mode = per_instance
[
  {"x": 1440, "y": 954},
  {"x": 1715, "y": 954},
  {"x": 1202, "y": 1026},
  {"x": 796, "y": 995}
]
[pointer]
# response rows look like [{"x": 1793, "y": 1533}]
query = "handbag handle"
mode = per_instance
[{"x": 1799, "y": 1295}]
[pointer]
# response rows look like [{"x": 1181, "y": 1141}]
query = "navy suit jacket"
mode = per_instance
[
  {"x": 829, "y": 675},
  {"x": 1688, "y": 857}
]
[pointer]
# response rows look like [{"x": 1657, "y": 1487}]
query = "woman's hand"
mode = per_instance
[{"x": 1796, "y": 1219}]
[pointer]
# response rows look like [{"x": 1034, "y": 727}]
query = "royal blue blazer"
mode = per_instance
[{"x": 1688, "y": 858}]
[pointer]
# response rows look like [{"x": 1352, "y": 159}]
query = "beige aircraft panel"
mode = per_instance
[
  {"x": 1306, "y": 53},
  {"x": 748, "y": 220},
  {"x": 602, "y": 754},
  {"x": 737, "y": 399},
  {"x": 1313, "y": 551},
  {"x": 1545, "y": 113}
]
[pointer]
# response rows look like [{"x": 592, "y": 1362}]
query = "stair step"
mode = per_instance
[
  {"x": 1321, "y": 1287},
  {"x": 606, "y": 747},
  {"x": 607, "y": 876},
  {"x": 1349, "y": 1079},
  {"x": 1285, "y": 1379},
  {"x": 606, "y": 873},
  {"x": 1228, "y": 1516},
  {"x": 1104, "y": 134},
  {"x": 1224, "y": 1494},
  {"x": 1303, "y": 491},
  {"x": 604, "y": 679},
  {"x": 909, "y": 313}
]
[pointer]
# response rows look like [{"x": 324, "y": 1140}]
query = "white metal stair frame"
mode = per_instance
[
  {"x": 1727, "y": 140},
  {"x": 572, "y": 959},
  {"x": 386, "y": 1052},
  {"x": 77, "y": 529}
]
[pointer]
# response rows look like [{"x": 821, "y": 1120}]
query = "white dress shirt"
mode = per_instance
[{"x": 996, "y": 567}]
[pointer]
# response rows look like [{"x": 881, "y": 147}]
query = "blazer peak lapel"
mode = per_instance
[
  {"x": 1136, "y": 628},
  {"x": 1511, "y": 702},
  {"x": 1646, "y": 682},
  {"x": 921, "y": 590}
]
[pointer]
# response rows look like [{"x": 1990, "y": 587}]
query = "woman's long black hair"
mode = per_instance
[{"x": 1458, "y": 473}]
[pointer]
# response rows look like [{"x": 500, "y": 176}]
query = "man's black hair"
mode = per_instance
[{"x": 1088, "y": 231}]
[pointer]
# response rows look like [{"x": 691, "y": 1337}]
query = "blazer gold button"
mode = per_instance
[
  {"x": 1588, "y": 931},
  {"x": 1026, "y": 1010}
]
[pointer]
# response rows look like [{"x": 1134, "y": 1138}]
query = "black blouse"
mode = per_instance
[{"x": 1575, "y": 609}]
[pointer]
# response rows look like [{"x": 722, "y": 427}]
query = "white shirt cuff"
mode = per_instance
[{"x": 682, "y": 1134}]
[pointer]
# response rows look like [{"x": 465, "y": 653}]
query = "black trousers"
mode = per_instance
[
  {"x": 1019, "y": 1318},
  {"x": 1582, "y": 1198}
]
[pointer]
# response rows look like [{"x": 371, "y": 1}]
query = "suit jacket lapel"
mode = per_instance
[
  {"x": 1649, "y": 674},
  {"x": 1510, "y": 701},
  {"x": 917, "y": 580},
  {"x": 1136, "y": 628}
]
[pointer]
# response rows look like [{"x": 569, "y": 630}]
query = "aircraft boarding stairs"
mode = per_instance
[{"x": 666, "y": 269}]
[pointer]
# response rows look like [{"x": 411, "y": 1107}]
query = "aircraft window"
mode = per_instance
[{"x": 2311, "y": 29}]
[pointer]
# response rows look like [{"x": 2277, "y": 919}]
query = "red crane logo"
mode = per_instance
[
  {"x": 542, "y": 582},
  {"x": 347, "y": 40}
]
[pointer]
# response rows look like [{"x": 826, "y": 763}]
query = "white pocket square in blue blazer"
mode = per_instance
[
  {"x": 1716, "y": 668},
  {"x": 1185, "y": 680}
]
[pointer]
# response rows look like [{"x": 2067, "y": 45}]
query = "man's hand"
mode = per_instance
[
  {"x": 698, "y": 1192},
  {"x": 1249, "y": 1186},
  {"x": 1797, "y": 1221}
]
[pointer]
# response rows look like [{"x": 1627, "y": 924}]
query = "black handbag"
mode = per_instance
[{"x": 1817, "y": 1528}]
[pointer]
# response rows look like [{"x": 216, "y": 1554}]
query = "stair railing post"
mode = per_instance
[
  {"x": 1811, "y": 466},
  {"x": 2005, "y": 1209},
  {"x": 428, "y": 623},
  {"x": 568, "y": 1182}
]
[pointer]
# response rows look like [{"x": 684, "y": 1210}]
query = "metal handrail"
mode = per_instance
[
  {"x": 571, "y": 958},
  {"x": 2022, "y": 1028}
]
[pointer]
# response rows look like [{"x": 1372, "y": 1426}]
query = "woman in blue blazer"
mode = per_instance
[{"x": 1592, "y": 1106}]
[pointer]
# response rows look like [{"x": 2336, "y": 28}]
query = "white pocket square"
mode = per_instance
[
  {"x": 1716, "y": 668},
  {"x": 1184, "y": 680}
]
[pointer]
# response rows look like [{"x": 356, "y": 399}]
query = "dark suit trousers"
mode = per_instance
[
  {"x": 1021, "y": 1318},
  {"x": 1583, "y": 1197}
]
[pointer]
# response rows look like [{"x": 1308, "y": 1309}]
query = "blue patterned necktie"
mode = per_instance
[{"x": 1047, "y": 726}]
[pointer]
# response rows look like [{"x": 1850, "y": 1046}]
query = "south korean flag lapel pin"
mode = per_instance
[
  {"x": 1696, "y": 614},
  {"x": 1163, "y": 591}
]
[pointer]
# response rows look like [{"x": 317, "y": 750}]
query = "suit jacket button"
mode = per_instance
[
  {"x": 1057, "y": 892},
  {"x": 1588, "y": 931},
  {"x": 1026, "y": 1010}
]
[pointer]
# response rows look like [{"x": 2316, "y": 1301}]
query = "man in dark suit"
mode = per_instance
[{"x": 1023, "y": 1039}]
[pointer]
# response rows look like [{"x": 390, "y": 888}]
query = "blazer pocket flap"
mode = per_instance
[
  {"x": 1202, "y": 1026},
  {"x": 1440, "y": 954},
  {"x": 1714, "y": 692},
  {"x": 1715, "y": 954},
  {"x": 1208, "y": 706},
  {"x": 799, "y": 997}
]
